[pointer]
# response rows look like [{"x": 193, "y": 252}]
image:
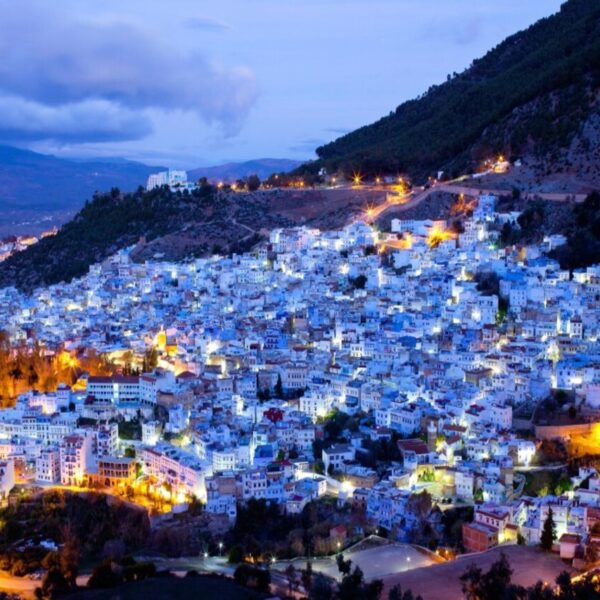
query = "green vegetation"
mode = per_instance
[
  {"x": 26, "y": 367},
  {"x": 110, "y": 573},
  {"x": 170, "y": 587},
  {"x": 583, "y": 236},
  {"x": 130, "y": 430},
  {"x": 351, "y": 587},
  {"x": 532, "y": 90},
  {"x": 86, "y": 524},
  {"x": 105, "y": 224},
  {"x": 358, "y": 282},
  {"x": 542, "y": 483},
  {"x": 548, "y": 536},
  {"x": 261, "y": 531},
  {"x": 496, "y": 584},
  {"x": 252, "y": 577},
  {"x": 580, "y": 223}
]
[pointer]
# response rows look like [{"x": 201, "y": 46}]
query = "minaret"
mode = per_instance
[{"x": 431, "y": 436}]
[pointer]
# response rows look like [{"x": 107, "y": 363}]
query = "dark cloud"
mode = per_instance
[
  {"x": 206, "y": 24},
  {"x": 86, "y": 121},
  {"x": 57, "y": 63}
]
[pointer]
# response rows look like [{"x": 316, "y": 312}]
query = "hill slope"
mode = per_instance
[
  {"x": 174, "y": 226},
  {"x": 229, "y": 172},
  {"x": 536, "y": 95}
]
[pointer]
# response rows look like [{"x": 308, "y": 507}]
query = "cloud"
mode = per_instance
[
  {"x": 206, "y": 24},
  {"x": 86, "y": 121},
  {"x": 57, "y": 62}
]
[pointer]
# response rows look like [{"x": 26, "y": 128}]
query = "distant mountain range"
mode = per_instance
[
  {"x": 535, "y": 96},
  {"x": 229, "y": 172},
  {"x": 33, "y": 181}
]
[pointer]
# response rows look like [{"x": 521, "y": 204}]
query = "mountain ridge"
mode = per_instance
[
  {"x": 33, "y": 181},
  {"x": 529, "y": 97},
  {"x": 231, "y": 171}
]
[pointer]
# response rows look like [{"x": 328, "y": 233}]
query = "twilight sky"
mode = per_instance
[{"x": 186, "y": 83}]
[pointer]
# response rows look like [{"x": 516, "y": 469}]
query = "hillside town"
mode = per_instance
[{"x": 231, "y": 370}]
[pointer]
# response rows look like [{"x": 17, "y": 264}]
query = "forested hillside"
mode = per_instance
[{"x": 529, "y": 96}]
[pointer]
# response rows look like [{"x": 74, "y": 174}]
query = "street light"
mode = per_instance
[{"x": 220, "y": 548}]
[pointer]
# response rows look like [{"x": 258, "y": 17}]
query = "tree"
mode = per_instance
[
  {"x": 236, "y": 554},
  {"x": 321, "y": 588},
  {"x": 396, "y": 594},
  {"x": 420, "y": 505},
  {"x": 591, "y": 554},
  {"x": 279, "y": 387},
  {"x": 53, "y": 581},
  {"x": 306, "y": 576},
  {"x": 150, "y": 361},
  {"x": 493, "y": 585},
  {"x": 290, "y": 572},
  {"x": 548, "y": 532},
  {"x": 252, "y": 183},
  {"x": 104, "y": 576},
  {"x": 69, "y": 556},
  {"x": 254, "y": 577},
  {"x": 343, "y": 566},
  {"x": 358, "y": 282}
]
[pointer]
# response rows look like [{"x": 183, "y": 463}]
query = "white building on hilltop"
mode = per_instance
[{"x": 176, "y": 180}]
